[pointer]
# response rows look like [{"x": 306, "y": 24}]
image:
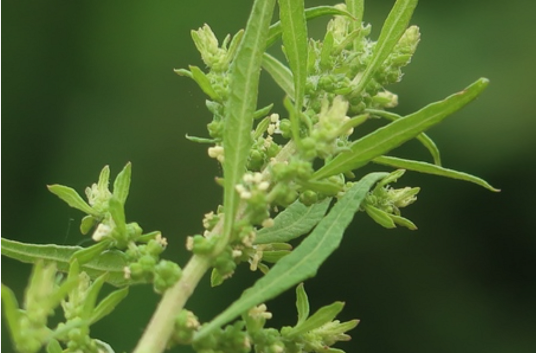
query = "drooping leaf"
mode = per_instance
[
  {"x": 280, "y": 74},
  {"x": 399, "y": 131},
  {"x": 428, "y": 168},
  {"x": 108, "y": 304},
  {"x": 294, "y": 221},
  {"x": 394, "y": 26},
  {"x": 122, "y": 183},
  {"x": 111, "y": 261},
  {"x": 305, "y": 260},
  {"x": 241, "y": 105},
  {"x": 320, "y": 317},
  {"x": 71, "y": 197},
  {"x": 426, "y": 141},
  {"x": 310, "y": 14},
  {"x": 294, "y": 33}
]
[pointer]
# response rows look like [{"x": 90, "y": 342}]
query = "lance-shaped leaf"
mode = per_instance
[
  {"x": 108, "y": 304},
  {"x": 122, "y": 183},
  {"x": 110, "y": 261},
  {"x": 396, "y": 133},
  {"x": 302, "y": 304},
  {"x": 428, "y": 168},
  {"x": 280, "y": 74},
  {"x": 241, "y": 105},
  {"x": 426, "y": 141},
  {"x": 321, "y": 317},
  {"x": 91, "y": 297},
  {"x": 394, "y": 26},
  {"x": 305, "y": 260},
  {"x": 85, "y": 255},
  {"x": 71, "y": 197},
  {"x": 310, "y": 13},
  {"x": 294, "y": 221},
  {"x": 294, "y": 32}
]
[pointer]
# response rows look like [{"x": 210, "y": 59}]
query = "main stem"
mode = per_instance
[{"x": 158, "y": 332}]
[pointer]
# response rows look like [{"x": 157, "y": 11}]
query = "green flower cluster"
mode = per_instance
[
  {"x": 314, "y": 333},
  {"x": 77, "y": 295},
  {"x": 106, "y": 215}
]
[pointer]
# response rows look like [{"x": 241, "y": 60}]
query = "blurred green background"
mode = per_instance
[{"x": 90, "y": 83}]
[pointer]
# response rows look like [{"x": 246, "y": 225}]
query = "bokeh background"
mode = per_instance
[{"x": 90, "y": 83}]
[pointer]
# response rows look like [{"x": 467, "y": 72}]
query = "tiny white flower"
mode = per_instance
[
  {"x": 102, "y": 231},
  {"x": 189, "y": 243}
]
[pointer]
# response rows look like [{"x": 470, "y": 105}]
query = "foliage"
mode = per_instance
[{"x": 280, "y": 176}]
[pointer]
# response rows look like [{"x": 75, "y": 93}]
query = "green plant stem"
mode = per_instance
[{"x": 160, "y": 328}]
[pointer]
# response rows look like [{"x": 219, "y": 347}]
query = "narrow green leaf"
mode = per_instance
[
  {"x": 321, "y": 317},
  {"x": 111, "y": 261},
  {"x": 11, "y": 312},
  {"x": 91, "y": 297},
  {"x": 104, "y": 179},
  {"x": 272, "y": 256},
  {"x": 54, "y": 346},
  {"x": 327, "y": 48},
  {"x": 399, "y": 131},
  {"x": 294, "y": 221},
  {"x": 204, "y": 83},
  {"x": 426, "y": 141},
  {"x": 310, "y": 14},
  {"x": 117, "y": 210},
  {"x": 302, "y": 304},
  {"x": 305, "y": 260},
  {"x": 280, "y": 74},
  {"x": 428, "y": 168},
  {"x": 322, "y": 186},
  {"x": 108, "y": 304},
  {"x": 261, "y": 128},
  {"x": 241, "y": 105},
  {"x": 261, "y": 113},
  {"x": 394, "y": 26},
  {"x": 85, "y": 255},
  {"x": 63, "y": 291},
  {"x": 381, "y": 217},
  {"x": 200, "y": 139},
  {"x": 294, "y": 32},
  {"x": 404, "y": 222},
  {"x": 122, "y": 183},
  {"x": 71, "y": 197}
]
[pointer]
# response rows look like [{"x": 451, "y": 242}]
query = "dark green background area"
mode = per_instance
[{"x": 89, "y": 83}]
